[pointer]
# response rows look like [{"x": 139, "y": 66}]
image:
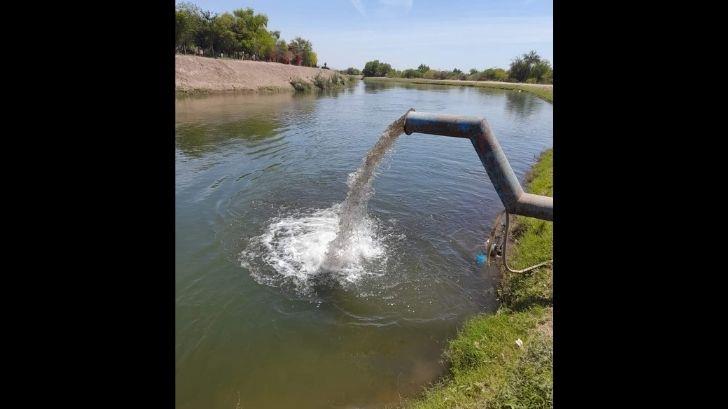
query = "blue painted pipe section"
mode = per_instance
[{"x": 494, "y": 160}]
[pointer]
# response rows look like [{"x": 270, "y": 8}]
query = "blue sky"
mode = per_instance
[{"x": 443, "y": 34}]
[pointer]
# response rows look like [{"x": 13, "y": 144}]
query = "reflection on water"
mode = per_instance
[
  {"x": 194, "y": 139},
  {"x": 247, "y": 162},
  {"x": 522, "y": 104}
]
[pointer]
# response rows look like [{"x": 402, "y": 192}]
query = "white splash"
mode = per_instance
[
  {"x": 295, "y": 248},
  {"x": 331, "y": 244}
]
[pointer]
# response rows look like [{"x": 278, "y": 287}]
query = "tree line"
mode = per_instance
[
  {"x": 529, "y": 68},
  {"x": 241, "y": 34}
]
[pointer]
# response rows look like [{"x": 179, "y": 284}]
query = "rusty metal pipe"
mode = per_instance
[{"x": 494, "y": 160}]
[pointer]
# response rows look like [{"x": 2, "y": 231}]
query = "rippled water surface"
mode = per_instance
[{"x": 259, "y": 183}]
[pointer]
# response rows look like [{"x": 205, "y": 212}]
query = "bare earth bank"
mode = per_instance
[{"x": 201, "y": 74}]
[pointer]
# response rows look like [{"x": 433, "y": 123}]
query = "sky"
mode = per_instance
[{"x": 444, "y": 34}]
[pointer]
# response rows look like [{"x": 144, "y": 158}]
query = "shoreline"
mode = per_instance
[
  {"x": 544, "y": 91},
  {"x": 196, "y": 75},
  {"x": 487, "y": 365}
]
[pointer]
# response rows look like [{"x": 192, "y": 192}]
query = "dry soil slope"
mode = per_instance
[{"x": 194, "y": 74}]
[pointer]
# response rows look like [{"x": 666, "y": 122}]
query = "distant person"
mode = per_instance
[{"x": 325, "y": 67}]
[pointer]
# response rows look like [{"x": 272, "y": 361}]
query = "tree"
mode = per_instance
[
  {"x": 376, "y": 69},
  {"x": 531, "y": 58},
  {"x": 310, "y": 59},
  {"x": 205, "y": 36},
  {"x": 370, "y": 68},
  {"x": 410, "y": 73},
  {"x": 225, "y": 40},
  {"x": 242, "y": 33},
  {"x": 251, "y": 31},
  {"x": 265, "y": 45},
  {"x": 520, "y": 69},
  {"x": 541, "y": 70},
  {"x": 423, "y": 68},
  {"x": 530, "y": 66},
  {"x": 301, "y": 49},
  {"x": 282, "y": 53},
  {"x": 187, "y": 24}
]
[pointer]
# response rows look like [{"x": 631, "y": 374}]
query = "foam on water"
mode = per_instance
[
  {"x": 337, "y": 243},
  {"x": 295, "y": 248}
]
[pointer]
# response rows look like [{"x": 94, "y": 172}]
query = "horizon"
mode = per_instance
[{"x": 406, "y": 33}]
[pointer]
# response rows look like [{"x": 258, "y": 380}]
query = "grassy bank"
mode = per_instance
[
  {"x": 324, "y": 83},
  {"x": 488, "y": 366},
  {"x": 542, "y": 91}
]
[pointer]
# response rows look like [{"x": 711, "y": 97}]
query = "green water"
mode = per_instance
[{"x": 257, "y": 183}]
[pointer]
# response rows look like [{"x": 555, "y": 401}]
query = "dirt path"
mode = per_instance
[{"x": 201, "y": 74}]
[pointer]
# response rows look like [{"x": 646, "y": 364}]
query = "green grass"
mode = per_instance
[
  {"x": 487, "y": 369},
  {"x": 322, "y": 82},
  {"x": 545, "y": 92}
]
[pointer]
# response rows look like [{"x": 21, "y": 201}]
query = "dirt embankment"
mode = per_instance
[{"x": 201, "y": 74}]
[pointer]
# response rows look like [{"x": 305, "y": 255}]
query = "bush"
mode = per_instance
[
  {"x": 376, "y": 69},
  {"x": 530, "y": 68},
  {"x": 499, "y": 74},
  {"x": 328, "y": 82},
  {"x": 410, "y": 73},
  {"x": 548, "y": 78},
  {"x": 301, "y": 85},
  {"x": 435, "y": 75}
]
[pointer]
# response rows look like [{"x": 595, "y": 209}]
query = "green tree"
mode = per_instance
[
  {"x": 300, "y": 49},
  {"x": 531, "y": 58},
  {"x": 241, "y": 34},
  {"x": 252, "y": 33},
  {"x": 530, "y": 66},
  {"x": 499, "y": 74},
  {"x": 205, "y": 36},
  {"x": 310, "y": 59},
  {"x": 282, "y": 53},
  {"x": 410, "y": 73},
  {"x": 225, "y": 40},
  {"x": 187, "y": 24},
  {"x": 520, "y": 69},
  {"x": 541, "y": 70},
  {"x": 370, "y": 68},
  {"x": 378, "y": 69},
  {"x": 383, "y": 69}
]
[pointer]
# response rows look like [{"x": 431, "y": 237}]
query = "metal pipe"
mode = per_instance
[{"x": 494, "y": 160}]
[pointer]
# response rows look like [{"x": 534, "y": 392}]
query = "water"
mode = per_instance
[
  {"x": 261, "y": 183},
  {"x": 354, "y": 235}
]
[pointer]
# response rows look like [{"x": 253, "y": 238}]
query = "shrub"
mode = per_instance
[
  {"x": 410, "y": 73},
  {"x": 301, "y": 85},
  {"x": 376, "y": 69}
]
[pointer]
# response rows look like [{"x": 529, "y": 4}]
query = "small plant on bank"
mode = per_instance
[{"x": 301, "y": 85}]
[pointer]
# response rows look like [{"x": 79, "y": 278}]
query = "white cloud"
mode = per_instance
[{"x": 359, "y": 7}]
